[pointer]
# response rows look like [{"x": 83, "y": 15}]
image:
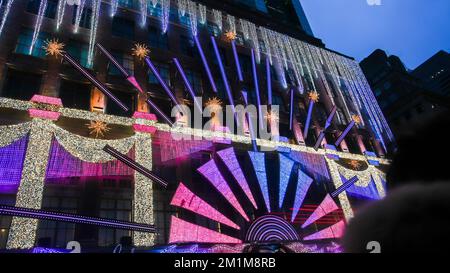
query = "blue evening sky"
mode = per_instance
[{"x": 414, "y": 30}]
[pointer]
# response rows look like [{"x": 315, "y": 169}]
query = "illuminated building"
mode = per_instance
[{"x": 52, "y": 161}]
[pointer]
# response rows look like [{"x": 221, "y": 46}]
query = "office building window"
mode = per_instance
[
  {"x": 21, "y": 85},
  {"x": 79, "y": 51},
  {"x": 196, "y": 81},
  {"x": 125, "y": 60},
  {"x": 75, "y": 95},
  {"x": 164, "y": 71},
  {"x": 50, "y": 11},
  {"x": 126, "y": 4},
  {"x": 277, "y": 100},
  {"x": 118, "y": 209},
  {"x": 123, "y": 28},
  {"x": 246, "y": 63},
  {"x": 157, "y": 39},
  {"x": 187, "y": 46},
  {"x": 24, "y": 43},
  {"x": 85, "y": 20},
  {"x": 127, "y": 98}
]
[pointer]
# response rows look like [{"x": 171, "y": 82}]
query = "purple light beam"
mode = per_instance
[
  {"x": 134, "y": 165},
  {"x": 236, "y": 60},
  {"x": 308, "y": 119},
  {"x": 187, "y": 84},
  {"x": 73, "y": 218},
  {"x": 344, "y": 134},
  {"x": 269, "y": 81},
  {"x": 205, "y": 64},
  {"x": 327, "y": 125},
  {"x": 256, "y": 82},
  {"x": 92, "y": 79}
]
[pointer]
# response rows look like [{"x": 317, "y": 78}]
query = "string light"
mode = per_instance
[
  {"x": 38, "y": 24},
  {"x": 93, "y": 33},
  {"x": 80, "y": 9},
  {"x": 60, "y": 13},
  {"x": 5, "y": 15}
]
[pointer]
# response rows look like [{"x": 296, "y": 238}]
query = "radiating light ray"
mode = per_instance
[
  {"x": 182, "y": 231},
  {"x": 228, "y": 156},
  {"x": 271, "y": 228},
  {"x": 259, "y": 165},
  {"x": 303, "y": 184},
  {"x": 286, "y": 166},
  {"x": 327, "y": 206},
  {"x": 186, "y": 199},
  {"x": 335, "y": 231},
  {"x": 211, "y": 172},
  {"x": 38, "y": 24}
]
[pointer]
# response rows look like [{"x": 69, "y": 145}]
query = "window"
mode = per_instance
[
  {"x": 157, "y": 39},
  {"x": 118, "y": 210},
  {"x": 196, "y": 81},
  {"x": 24, "y": 43},
  {"x": 246, "y": 63},
  {"x": 126, "y": 3},
  {"x": 127, "y": 98},
  {"x": 123, "y": 28},
  {"x": 164, "y": 71},
  {"x": 277, "y": 100},
  {"x": 57, "y": 234},
  {"x": 85, "y": 19},
  {"x": 187, "y": 46},
  {"x": 79, "y": 51},
  {"x": 75, "y": 95},
  {"x": 125, "y": 60},
  {"x": 222, "y": 54},
  {"x": 21, "y": 85},
  {"x": 50, "y": 11}
]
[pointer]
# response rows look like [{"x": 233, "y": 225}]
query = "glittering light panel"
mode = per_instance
[
  {"x": 186, "y": 199},
  {"x": 165, "y": 6},
  {"x": 182, "y": 231},
  {"x": 212, "y": 173},
  {"x": 60, "y": 12},
  {"x": 23, "y": 231},
  {"x": 228, "y": 156},
  {"x": 286, "y": 166},
  {"x": 259, "y": 165},
  {"x": 369, "y": 192},
  {"x": 143, "y": 190},
  {"x": 93, "y": 33},
  {"x": 80, "y": 9},
  {"x": 11, "y": 164},
  {"x": 335, "y": 231},
  {"x": 271, "y": 228},
  {"x": 327, "y": 206},
  {"x": 303, "y": 184},
  {"x": 336, "y": 178},
  {"x": 143, "y": 9},
  {"x": 114, "y": 5}
]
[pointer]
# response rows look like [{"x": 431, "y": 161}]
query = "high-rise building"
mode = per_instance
[
  {"x": 60, "y": 109},
  {"x": 435, "y": 73}
]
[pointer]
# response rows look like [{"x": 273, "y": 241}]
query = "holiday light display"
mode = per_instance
[
  {"x": 327, "y": 125},
  {"x": 327, "y": 206},
  {"x": 188, "y": 85},
  {"x": 286, "y": 166},
  {"x": 5, "y": 15},
  {"x": 38, "y": 24},
  {"x": 60, "y": 12},
  {"x": 80, "y": 9},
  {"x": 271, "y": 228},
  {"x": 205, "y": 64},
  {"x": 334, "y": 231},
  {"x": 303, "y": 184},
  {"x": 186, "y": 199},
  {"x": 259, "y": 165}
]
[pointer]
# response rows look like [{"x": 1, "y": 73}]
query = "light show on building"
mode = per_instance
[{"x": 88, "y": 147}]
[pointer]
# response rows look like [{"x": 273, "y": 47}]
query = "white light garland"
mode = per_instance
[
  {"x": 144, "y": 8},
  {"x": 202, "y": 13},
  {"x": 182, "y": 7},
  {"x": 192, "y": 9},
  {"x": 93, "y": 33},
  {"x": 218, "y": 19},
  {"x": 231, "y": 23},
  {"x": 5, "y": 15},
  {"x": 80, "y": 9},
  {"x": 165, "y": 6},
  {"x": 60, "y": 13},
  {"x": 38, "y": 24}
]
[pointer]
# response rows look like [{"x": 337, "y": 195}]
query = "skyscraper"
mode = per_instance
[{"x": 76, "y": 80}]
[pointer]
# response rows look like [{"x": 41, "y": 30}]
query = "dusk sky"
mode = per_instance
[{"x": 414, "y": 30}]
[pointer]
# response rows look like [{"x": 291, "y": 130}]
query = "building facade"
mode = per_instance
[{"x": 61, "y": 166}]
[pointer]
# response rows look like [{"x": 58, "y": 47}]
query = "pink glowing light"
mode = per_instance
[
  {"x": 335, "y": 231},
  {"x": 133, "y": 81},
  {"x": 36, "y": 113},
  {"x": 228, "y": 156},
  {"x": 144, "y": 128},
  {"x": 327, "y": 206},
  {"x": 212, "y": 173},
  {"x": 186, "y": 199},
  {"x": 182, "y": 231},
  {"x": 47, "y": 100},
  {"x": 143, "y": 115}
]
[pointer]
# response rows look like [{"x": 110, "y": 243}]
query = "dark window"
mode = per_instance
[
  {"x": 50, "y": 11},
  {"x": 196, "y": 81},
  {"x": 85, "y": 19},
  {"x": 126, "y": 3},
  {"x": 419, "y": 108},
  {"x": 277, "y": 100},
  {"x": 246, "y": 63},
  {"x": 24, "y": 43},
  {"x": 21, "y": 85},
  {"x": 187, "y": 46},
  {"x": 79, "y": 51},
  {"x": 75, "y": 95},
  {"x": 222, "y": 53},
  {"x": 114, "y": 209},
  {"x": 157, "y": 39},
  {"x": 125, "y": 60},
  {"x": 164, "y": 72},
  {"x": 123, "y": 28},
  {"x": 127, "y": 98}
]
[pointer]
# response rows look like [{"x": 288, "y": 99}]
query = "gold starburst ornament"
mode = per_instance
[
  {"x": 140, "y": 51},
  {"x": 230, "y": 36},
  {"x": 98, "y": 128},
  {"x": 215, "y": 104},
  {"x": 313, "y": 96},
  {"x": 356, "y": 119},
  {"x": 53, "y": 47}
]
